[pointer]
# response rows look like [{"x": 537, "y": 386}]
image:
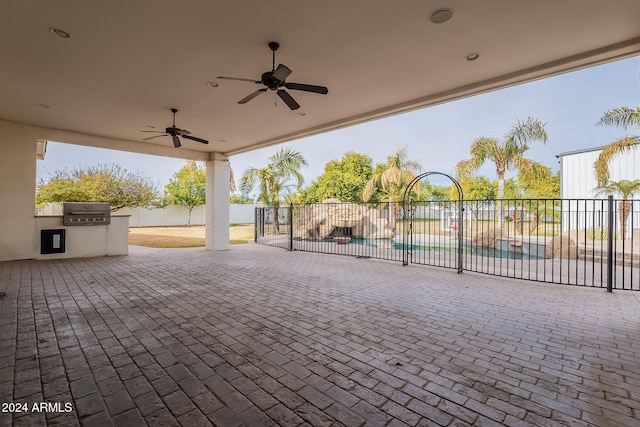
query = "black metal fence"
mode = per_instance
[{"x": 583, "y": 242}]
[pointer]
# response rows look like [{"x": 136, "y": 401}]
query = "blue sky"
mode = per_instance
[{"x": 439, "y": 136}]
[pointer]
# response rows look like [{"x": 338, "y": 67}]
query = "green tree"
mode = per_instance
[
  {"x": 505, "y": 153},
  {"x": 240, "y": 199},
  {"x": 543, "y": 185},
  {"x": 343, "y": 179},
  {"x": 625, "y": 118},
  {"x": 475, "y": 188},
  {"x": 542, "y": 191},
  {"x": 273, "y": 179},
  {"x": 103, "y": 183},
  {"x": 624, "y": 188},
  {"x": 391, "y": 180},
  {"x": 188, "y": 188},
  {"x": 439, "y": 193}
]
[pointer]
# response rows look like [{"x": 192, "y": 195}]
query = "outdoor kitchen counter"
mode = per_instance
[{"x": 85, "y": 240}]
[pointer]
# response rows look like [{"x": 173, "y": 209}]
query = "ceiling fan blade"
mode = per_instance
[
  {"x": 240, "y": 79},
  {"x": 251, "y": 96},
  {"x": 288, "y": 99},
  {"x": 152, "y": 131},
  {"x": 307, "y": 88},
  {"x": 176, "y": 141},
  {"x": 155, "y": 136},
  {"x": 193, "y": 138},
  {"x": 281, "y": 73}
]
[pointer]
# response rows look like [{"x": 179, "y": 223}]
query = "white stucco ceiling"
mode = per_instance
[{"x": 128, "y": 62}]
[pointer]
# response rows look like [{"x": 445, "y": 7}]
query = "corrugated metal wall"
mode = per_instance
[{"x": 578, "y": 179}]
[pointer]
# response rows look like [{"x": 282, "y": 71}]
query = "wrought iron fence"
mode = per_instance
[
  {"x": 586, "y": 242},
  {"x": 273, "y": 226}
]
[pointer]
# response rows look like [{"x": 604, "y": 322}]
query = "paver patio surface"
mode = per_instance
[{"x": 258, "y": 336}]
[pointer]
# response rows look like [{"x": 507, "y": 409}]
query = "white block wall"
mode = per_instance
[{"x": 169, "y": 216}]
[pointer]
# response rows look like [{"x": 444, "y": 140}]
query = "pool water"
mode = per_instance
[{"x": 468, "y": 249}]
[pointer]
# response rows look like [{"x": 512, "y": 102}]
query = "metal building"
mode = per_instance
[
  {"x": 578, "y": 179},
  {"x": 578, "y": 183}
]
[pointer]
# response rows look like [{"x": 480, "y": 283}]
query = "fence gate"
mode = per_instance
[
  {"x": 432, "y": 232},
  {"x": 273, "y": 226}
]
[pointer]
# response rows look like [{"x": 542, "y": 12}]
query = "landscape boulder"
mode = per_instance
[
  {"x": 562, "y": 247},
  {"x": 578, "y": 236},
  {"x": 487, "y": 238}
]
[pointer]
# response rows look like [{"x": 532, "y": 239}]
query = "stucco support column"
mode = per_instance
[
  {"x": 217, "y": 206},
  {"x": 18, "y": 144}
]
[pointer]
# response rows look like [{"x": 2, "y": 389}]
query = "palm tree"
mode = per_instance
[
  {"x": 625, "y": 118},
  {"x": 393, "y": 180},
  {"x": 624, "y": 188},
  {"x": 273, "y": 179},
  {"x": 505, "y": 154}
]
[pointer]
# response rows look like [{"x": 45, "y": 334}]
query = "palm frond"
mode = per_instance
[
  {"x": 399, "y": 171},
  {"x": 624, "y": 117},
  {"x": 601, "y": 165},
  {"x": 232, "y": 181},
  {"x": 286, "y": 164},
  {"x": 465, "y": 169},
  {"x": 485, "y": 148},
  {"x": 370, "y": 188},
  {"x": 530, "y": 168},
  {"x": 523, "y": 133},
  {"x": 248, "y": 179},
  {"x": 390, "y": 176},
  {"x": 399, "y": 159},
  {"x": 263, "y": 194},
  {"x": 624, "y": 187}
]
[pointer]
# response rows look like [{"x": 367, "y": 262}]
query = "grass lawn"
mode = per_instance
[{"x": 183, "y": 237}]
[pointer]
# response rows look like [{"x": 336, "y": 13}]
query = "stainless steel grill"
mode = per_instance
[{"x": 82, "y": 213}]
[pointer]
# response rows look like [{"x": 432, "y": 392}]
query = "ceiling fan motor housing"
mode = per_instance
[{"x": 269, "y": 81}]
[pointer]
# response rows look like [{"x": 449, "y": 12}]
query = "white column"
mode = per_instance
[{"x": 217, "y": 206}]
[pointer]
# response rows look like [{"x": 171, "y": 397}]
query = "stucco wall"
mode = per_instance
[
  {"x": 86, "y": 241},
  {"x": 17, "y": 190}
]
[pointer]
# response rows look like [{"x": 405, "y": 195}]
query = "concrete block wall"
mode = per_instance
[{"x": 169, "y": 216}]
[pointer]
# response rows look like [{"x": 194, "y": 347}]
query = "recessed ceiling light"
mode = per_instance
[
  {"x": 222, "y": 140},
  {"x": 150, "y": 126},
  {"x": 441, "y": 16},
  {"x": 302, "y": 114},
  {"x": 472, "y": 56},
  {"x": 41, "y": 105},
  {"x": 60, "y": 33},
  {"x": 213, "y": 84}
]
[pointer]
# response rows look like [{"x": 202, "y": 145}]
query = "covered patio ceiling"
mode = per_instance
[{"x": 127, "y": 63}]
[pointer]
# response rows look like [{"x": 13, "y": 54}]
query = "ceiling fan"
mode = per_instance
[
  {"x": 175, "y": 132},
  {"x": 275, "y": 80}
]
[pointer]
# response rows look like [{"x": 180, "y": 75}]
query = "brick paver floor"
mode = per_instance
[{"x": 259, "y": 336}]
